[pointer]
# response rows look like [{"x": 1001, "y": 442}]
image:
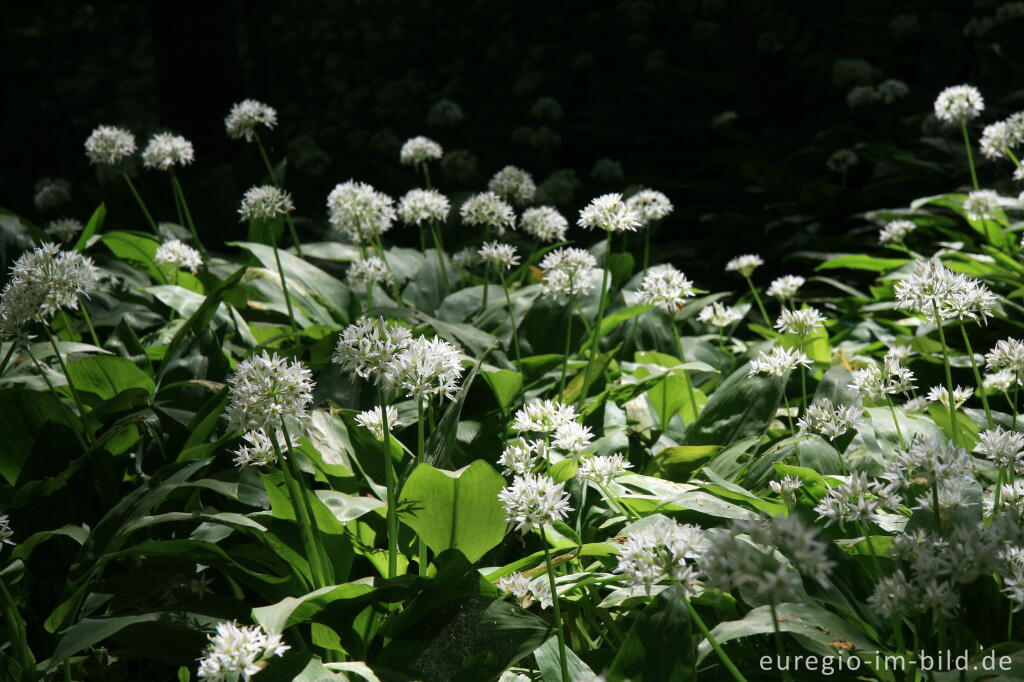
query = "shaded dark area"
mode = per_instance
[{"x": 732, "y": 109}]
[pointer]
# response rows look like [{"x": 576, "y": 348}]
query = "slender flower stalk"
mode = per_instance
[
  {"x": 954, "y": 427},
  {"x": 977, "y": 376},
  {"x": 263, "y": 205},
  {"x": 273, "y": 178},
  {"x": 563, "y": 658}
]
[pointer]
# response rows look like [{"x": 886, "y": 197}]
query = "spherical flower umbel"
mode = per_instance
[
  {"x": 1004, "y": 448},
  {"x": 573, "y": 438},
  {"x": 369, "y": 347},
  {"x": 959, "y": 103},
  {"x": 109, "y": 146},
  {"x": 371, "y": 270},
  {"x": 237, "y": 653},
  {"x": 602, "y": 469},
  {"x": 358, "y": 211},
  {"x": 246, "y": 116},
  {"x": 1007, "y": 354},
  {"x": 418, "y": 206},
  {"x": 419, "y": 150},
  {"x": 164, "y": 151},
  {"x": 373, "y": 420},
  {"x": 1002, "y": 136},
  {"x": 488, "y": 210},
  {"x": 543, "y": 416},
  {"x": 534, "y": 500},
  {"x": 784, "y": 288},
  {"x": 719, "y": 315},
  {"x": 665, "y": 287},
  {"x": 256, "y": 449},
  {"x": 650, "y": 205},
  {"x": 940, "y": 394},
  {"x": 933, "y": 289},
  {"x": 802, "y": 322},
  {"x": 830, "y": 420},
  {"x": 877, "y": 381},
  {"x": 513, "y": 184},
  {"x": 51, "y": 193},
  {"x": 659, "y": 551},
  {"x": 527, "y": 591},
  {"x": 745, "y": 264},
  {"x": 545, "y": 223},
  {"x": 426, "y": 368},
  {"x": 63, "y": 229},
  {"x": 500, "y": 256},
  {"x": 267, "y": 391},
  {"x": 265, "y": 203},
  {"x": 981, "y": 204},
  {"x": 178, "y": 254},
  {"x": 42, "y": 282},
  {"x": 896, "y": 231},
  {"x": 567, "y": 272},
  {"x": 610, "y": 213},
  {"x": 892, "y": 90},
  {"x": 778, "y": 361}
]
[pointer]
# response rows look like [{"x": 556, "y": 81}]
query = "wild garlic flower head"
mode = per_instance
[
  {"x": 745, "y": 264},
  {"x": 916, "y": 405},
  {"x": 896, "y": 231},
  {"x": 831, "y": 421},
  {"x": 513, "y": 184},
  {"x": 426, "y": 368},
  {"x": 927, "y": 461},
  {"x": 572, "y": 437},
  {"x": 41, "y": 283},
  {"x": 419, "y": 149},
  {"x": 369, "y": 347},
  {"x": 265, "y": 203},
  {"x": 418, "y": 206},
  {"x": 1004, "y": 448},
  {"x": 895, "y": 596},
  {"x": 501, "y": 256},
  {"x": 959, "y": 103},
  {"x": 359, "y": 212},
  {"x": 784, "y": 288},
  {"x": 857, "y": 500},
  {"x": 877, "y": 381},
  {"x": 1006, "y": 354},
  {"x": 1011, "y": 498},
  {"x": 545, "y": 223},
  {"x": 371, "y": 270},
  {"x": 64, "y": 229},
  {"x": 543, "y": 416},
  {"x": 6, "y": 532},
  {"x": 650, "y": 205},
  {"x": 842, "y": 160},
  {"x": 778, "y": 361},
  {"x": 801, "y": 322},
  {"x": 609, "y": 213},
  {"x": 659, "y": 551},
  {"x": 981, "y": 204},
  {"x": 891, "y": 91},
  {"x": 567, "y": 272},
  {"x": 940, "y": 394},
  {"x": 602, "y": 469},
  {"x": 266, "y": 391},
  {"x": 719, "y": 315},
  {"x": 373, "y": 420},
  {"x": 244, "y": 117},
  {"x": 14, "y": 233},
  {"x": 164, "y": 151},
  {"x": 932, "y": 287},
  {"x": 256, "y": 449},
  {"x": 786, "y": 489},
  {"x": 237, "y": 653},
  {"x": 51, "y": 193},
  {"x": 490, "y": 211},
  {"x": 527, "y": 591},
  {"x": 178, "y": 254},
  {"x": 534, "y": 500},
  {"x": 665, "y": 287},
  {"x": 521, "y": 456},
  {"x": 1000, "y": 381},
  {"x": 109, "y": 146},
  {"x": 466, "y": 258},
  {"x": 999, "y": 137}
]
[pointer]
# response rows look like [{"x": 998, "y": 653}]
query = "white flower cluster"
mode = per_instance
[
  {"x": 513, "y": 184},
  {"x": 573, "y": 438},
  {"x": 856, "y": 500},
  {"x": 784, "y": 288},
  {"x": 419, "y": 150},
  {"x": 370, "y": 270},
  {"x": 896, "y": 231},
  {"x": 109, "y": 146},
  {"x": 237, "y": 653},
  {"x": 982, "y": 204},
  {"x": 527, "y": 591},
  {"x": 801, "y": 322},
  {"x": 1004, "y": 448},
  {"x": 567, "y": 272},
  {"x": 719, "y": 315},
  {"x": 13, "y": 232},
  {"x": 659, "y": 551},
  {"x": 602, "y": 469},
  {"x": 543, "y": 416},
  {"x": 534, "y": 500},
  {"x": 999, "y": 138},
  {"x": 63, "y": 229},
  {"x": 545, "y": 223},
  {"x": 6, "y": 532},
  {"x": 778, "y": 361},
  {"x": 51, "y": 193},
  {"x": 831, "y": 421},
  {"x": 959, "y": 103},
  {"x": 1007, "y": 358},
  {"x": 745, "y": 264},
  {"x": 665, "y": 287},
  {"x": 427, "y": 368},
  {"x": 521, "y": 456},
  {"x": 368, "y": 348},
  {"x": 256, "y": 449},
  {"x": 934, "y": 288},
  {"x": 488, "y": 210},
  {"x": 940, "y": 394},
  {"x": 877, "y": 381},
  {"x": 786, "y": 489},
  {"x": 650, "y": 205},
  {"x": 178, "y": 254},
  {"x": 500, "y": 256},
  {"x": 244, "y": 117},
  {"x": 42, "y": 282},
  {"x": 359, "y": 212},
  {"x": 609, "y": 213},
  {"x": 265, "y": 203},
  {"x": 164, "y": 151},
  {"x": 373, "y": 420},
  {"x": 266, "y": 391},
  {"x": 423, "y": 205}
]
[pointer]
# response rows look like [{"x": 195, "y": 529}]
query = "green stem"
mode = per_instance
[
  {"x": 71, "y": 385},
  {"x": 284, "y": 283},
  {"x": 686, "y": 375},
  {"x": 949, "y": 376},
  {"x": 63, "y": 406},
  {"x": 895, "y": 421},
  {"x": 565, "y": 362},
  {"x": 977, "y": 376},
  {"x": 647, "y": 245},
  {"x": 511, "y": 318},
  {"x": 435, "y": 233},
  {"x": 396, "y": 290},
  {"x": 563, "y": 659},
  {"x": 301, "y": 512},
  {"x": 392, "y": 485},
  {"x": 8, "y": 355},
  {"x": 420, "y": 458},
  {"x": 16, "y": 627},
  {"x": 722, "y": 656},
  {"x": 757, "y": 299},
  {"x": 188, "y": 214},
  {"x": 803, "y": 387},
  {"x": 88, "y": 321},
  {"x": 595, "y": 336},
  {"x": 325, "y": 560},
  {"x": 273, "y": 178},
  {"x": 142, "y": 204},
  {"x": 970, "y": 154},
  {"x": 779, "y": 645}
]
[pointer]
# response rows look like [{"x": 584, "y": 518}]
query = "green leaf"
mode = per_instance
[
  {"x": 506, "y": 384},
  {"x": 136, "y": 247},
  {"x": 290, "y": 611},
  {"x": 742, "y": 406},
  {"x": 862, "y": 262},
  {"x": 27, "y": 421},
  {"x": 658, "y": 647},
  {"x": 551, "y": 667},
  {"x": 94, "y": 225},
  {"x": 455, "y": 509},
  {"x": 612, "y": 321},
  {"x": 678, "y": 462},
  {"x": 441, "y": 440},
  {"x": 106, "y": 376}
]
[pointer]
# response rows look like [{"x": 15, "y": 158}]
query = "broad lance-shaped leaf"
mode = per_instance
[
  {"x": 105, "y": 376},
  {"x": 657, "y": 647},
  {"x": 455, "y": 509},
  {"x": 506, "y": 385},
  {"x": 742, "y": 406},
  {"x": 290, "y": 611}
]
